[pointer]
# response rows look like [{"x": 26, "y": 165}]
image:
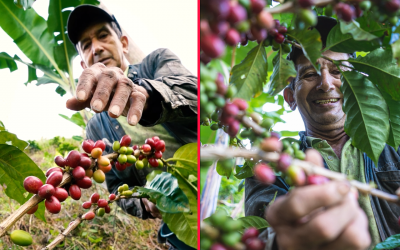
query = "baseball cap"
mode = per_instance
[{"x": 84, "y": 16}]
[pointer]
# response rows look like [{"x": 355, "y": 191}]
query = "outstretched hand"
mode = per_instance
[{"x": 151, "y": 208}]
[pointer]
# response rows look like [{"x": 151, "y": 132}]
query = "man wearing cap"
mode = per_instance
[
  {"x": 157, "y": 97},
  {"x": 327, "y": 216}
]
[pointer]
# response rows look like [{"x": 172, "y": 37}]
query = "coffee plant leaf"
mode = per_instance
[
  {"x": 250, "y": 75},
  {"x": 286, "y": 133},
  {"x": 382, "y": 70},
  {"x": 310, "y": 41},
  {"x": 7, "y": 62},
  {"x": 2, "y": 127},
  {"x": 358, "y": 34},
  {"x": 186, "y": 159},
  {"x": 225, "y": 167},
  {"x": 11, "y": 139},
  {"x": 396, "y": 51},
  {"x": 164, "y": 191},
  {"x": 150, "y": 177},
  {"x": 245, "y": 171},
  {"x": 367, "y": 121},
  {"x": 254, "y": 221},
  {"x": 240, "y": 53},
  {"x": 184, "y": 225},
  {"x": 283, "y": 72},
  {"x": 394, "y": 120},
  {"x": 76, "y": 119},
  {"x": 346, "y": 43},
  {"x": 390, "y": 243},
  {"x": 25, "y": 4}
]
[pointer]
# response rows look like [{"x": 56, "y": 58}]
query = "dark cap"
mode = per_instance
[
  {"x": 84, "y": 16},
  {"x": 324, "y": 26}
]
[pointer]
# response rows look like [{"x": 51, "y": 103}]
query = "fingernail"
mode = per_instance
[
  {"x": 343, "y": 188},
  {"x": 133, "y": 120},
  {"x": 115, "y": 110},
  {"x": 81, "y": 95},
  {"x": 97, "y": 105}
]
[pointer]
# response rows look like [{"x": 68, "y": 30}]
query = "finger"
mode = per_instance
[
  {"x": 313, "y": 156},
  {"x": 303, "y": 200},
  {"x": 121, "y": 96},
  {"x": 87, "y": 81},
  {"x": 105, "y": 86},
  {"x": 355, "y": 236},
  {"x": 137, "y": 102},
  {"x": 76, "y": 105}
]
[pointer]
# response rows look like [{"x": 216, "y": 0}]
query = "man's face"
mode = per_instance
[
  {"x": 318, "y": 96},
  {"x": 100, "y": 43}
]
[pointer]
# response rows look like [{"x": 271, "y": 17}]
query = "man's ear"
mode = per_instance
[
  {"x": 125, "y": 44},
  {"x": 83, "y": 64},
  {"x": 289, "y": 98}
]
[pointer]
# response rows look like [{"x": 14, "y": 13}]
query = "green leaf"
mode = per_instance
[
  {"x": 396, "y": 51},
  {"x": 245, "y": 171},
  {"x": 260, "y": 100},
  {"x": 44, "y": 80},
  {"x": 2, "y": 127},
  {"x": 186, "y": 159},
  {"x": 356, "y": 31},
  {"x": 7, "y": 61},
  {"x": 152, "y": 175},
  {"x": 76, "y": 119},
  {"x": 11, "y": 139},
  {"x": 26, "y": 4},
  {"x": 240, "y": 53},
  {"x": 367, "y": 121},
  {"x": 283, "y": 72},
  {"x": 254, "y": 221},
  {"x": 192, "y": 178},
  {"x": 394, "y": 119},
  {"x": 286, "y": 133},
  {"x": 251, "y": 74},
  {"x": 390, "y": 243},
  {"x": 40, "y": 212},
  {"x": 15, "y": 166},
  {"x": 184, "y": 225},
  {"x": 31, "y": 75},
  {"x": 77, "y": 138},
  {"x": 166, "y": 194},
  {"x": 61, "y": 92},
  {"x": 310, "y": 41},
  {"x": 381, "y": 69},
  {"x": 225, "y": 167}
]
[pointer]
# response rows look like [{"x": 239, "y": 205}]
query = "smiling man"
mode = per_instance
[
  {"x": 328, "y": 216},
  {"x": 157, "y": 97}
]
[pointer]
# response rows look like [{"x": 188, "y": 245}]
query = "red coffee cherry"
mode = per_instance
[
  {"x": 250, "y": 233},
  {"x": 119, "y": 166},
  {"x": 54, "y": 179},
  {"x": 32, "y": 184},
  {"x": 219, "y": 28},
  {"x": 254, "y": 244},
  {"x": 221, "y": 87},
  {"x": 61, "y": 194},
  {"x": 257, "y": 6},
  {"x": 218, "y": 246},
  {"x": 73, "y": 159},
  {"x": 158, "y": 154},
  {"x": 46, "y": 191},
  {"x": 232, "y": 37},
  {"x": 75, "y": 192},
  {"x": 271, "y": 144},
  {"x": 84, "y": 183},
  {"x": 282, "y": 29},
  {"x": 233, "y": 128},
  {"x": 33, "y": 210},
  {"x": 146, "y": 148},
  {"x": 237, "y": 13},
  {"x": 240, "y": 103},
  {"x": 344, "y": 11},
  {"x": 297, "y": 175},
  {"x": 86, "y": 204},
  {"x": 88, "y": 216},
  {"x": 60, "y": 161},
  {"x": 273, "y": 32},
  {"x": 258, "y": 33},
  {"x": 100, "y": 144},
  {"x": 53, "y": 205},
  {"x": 265, "y": 20},
  {"x": 231, "y": 109},
  {"x": 150, "y": 142},
  {"x": 87, "y": 146},
  {"x": 155, "y": 138},
  {"x": 112, "y": 197},
  {"x": 94, "y": 197},
  {"x": 153, "y": 162},
  {"x": 212, "y": 45},
  {"x": 279, "y": 38},
  {"x": 125, "y": 141},
  {"x": 85, "y": 155},
  {"x": 284, "y": 162},
  {"x": 160, "y": 145},
  {"x": 264, "y": 173},
  {"x": 220, "y": 8},
  {"x": 102, "y": 203},
  {"x": 107, "y": 209},
  {"x": 78, "y": 173},
  {"x": 392, "y": 6},
  {"x": 305, "y": 3},
  {"x": 51, "y": 170},
  {"x": 85, "y": 162},
  {"x": 316, "y": 180}
]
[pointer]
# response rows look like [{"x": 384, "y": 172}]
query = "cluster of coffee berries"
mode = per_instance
[
  {"x": 124, "y": 191},
  {"x": 126, "y": 154},
  {"x": 102, "y": 206},
  {"x": 221, "y": 232}
]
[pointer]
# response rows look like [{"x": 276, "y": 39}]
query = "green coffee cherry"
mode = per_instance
[
  {"x": 289, "y": 151},
  {"x": 365, "y": 5},
  {"x": 205, "y": 243},
  {"x": 219, "y": 101},
  {"x": 329, "y": 10},
  {"x": 308, "y": 17},
  {"x": 145, "y": 162},
  {"x": 245, "y": 133},
  {"x": 267, "y": 123},
  {"x": 139, "y": 164},
  {"x": 211, "y": 87},
  {"x": 214, "y": 126},
  {"x": 21, "y": 238},
  {"x": 127, "y": 193},
  {"x": 231, "y": 238},
  {"x": 300, "y": 155},
  {"x": 209, "y": 107},
  {"x": 122, "y": 150},
  {"x": 231, "y": 91},
  {"x": 160, "y": 163},
  {"x": 116, "y": 146},
  {"x": 100, "y": 212},
  {"x": 286, "y": 48},
  {"x": 125, "y": 187},
  {"x": 131, "y": 159},
  {"x": 215, "y": 116},
  {"x": 129, "y": 150},
  {"x": 243, "y": 26},
  {"x": 122, "y": 158},
  {"x": 218, "y": 218},
  {"x": 203, "y": 99}
]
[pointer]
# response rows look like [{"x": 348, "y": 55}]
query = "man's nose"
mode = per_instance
[
  {"x": 327, "y": 82},
  {"x": 97, "y": 48}
]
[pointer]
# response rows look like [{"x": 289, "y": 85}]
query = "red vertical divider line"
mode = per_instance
[{"x": 198, "y": 124}]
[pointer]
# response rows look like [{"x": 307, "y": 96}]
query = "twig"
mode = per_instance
[
  {"x": 153, "y": 243},
  {"x": 233, "y": 57},
  {"x": 214, "y": 153}
]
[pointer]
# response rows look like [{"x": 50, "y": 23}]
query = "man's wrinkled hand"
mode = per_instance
[
  {"x": 151, "y": 208},
  {"x": 108, "y": 89},
  {"x": 320, "y": 217}
]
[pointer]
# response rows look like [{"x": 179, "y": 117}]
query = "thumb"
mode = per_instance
[{"x": 76, "y": 105}]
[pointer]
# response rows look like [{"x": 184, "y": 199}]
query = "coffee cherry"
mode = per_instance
[
  {"x": 146, "y": 148},
  {"x": 392, "y": 6},
  {"x": 284, "y": 162},
  {"x": 107, "y": 209},
  {"x": 88, "y": 216},
  {"x": 160, "y": 163},
  {"x": 123, "y": 150},
  {"x": 258, "y": 33},
  {"x": 54, "y": 179},
  {"x": 150, "y": 142},
  {"x": 129, "y": 150},
  {"x": 21, "y": 238},
  {"x": 264, "y": 173},
  {"x": 103, "y": 161},
  {"x": 122, "y": 158},
  {"x": 102, "y": 203},
  {"x": 254, "y": 244},
  {"x": 53, "y": 205},
  {"x": 84, "y": 183},
  {"x": 139, "y": 164},
  {"x": 106, "y": 169},
  {"x": 365, "y": 5},
  {"x": 160, "y": 145},
  {"x": 344, "y": 11},
  {"x": 220, "y": 8},
  {"x": 94, "y": 197},
  {"x": 75, "y": 192},
  {"x": 257, "y": 6},
  {"x": 153, "y": 162},
  {"x": 125, "y": 141},
  {"x": 99, "y": 176},
  {"x": 112, "y": 197},
  {"x": 119, "y": 166},
  {"x": 212, "y": 45},
  {"x": 89, "y": 173},
  {"x": 116, "y": 146},
  {"x": 308, "y": 17},
  {"x": 267, "y": 123},
  {"x": 33, "y": 210},
  {"x": 265, "y": 20},
  {"x": 96, "y": 153},
  {"x": 233, "y": 128},
  {"x": 218, "y": 246},
  {"x": 240, "y": 103},
  {"x": 237, "y": 13},
  {"x": 282, "y": 29},
  {"x": 127, "y": 193},
  {"x": 86, "y": 204},
  {"x": 158, "y": 154},
  {"x": 46, "y": 191},
  {"x": 271, "y": 144},
  {"x": 232, "y": 37},
  {"x": 85, "y": 162},
  {"x": 250, "y": 233},
  {"x": 60, "y": 161},
  {"x": 87, "y": 146},
  {"x": 316, "y": 180},
  {"x": 73, "y": 159},
  {"x": 78, "y": 173},
  {"x": 55, "y": 169},
  {"x": 230, "y": 239},
  {"x": 122, "y": 188},
  {"x": 305, "y": 3},
  {"x": 100, "y": 212},
  {"x": 32, "y": 184},
  {"x": 221, "y": 87},
  {"x": 296, "y": 175},
  {"x": 130, "y": 159},
  {"x": 61, "y": 194},
  {"x": 100, "y": 144}
]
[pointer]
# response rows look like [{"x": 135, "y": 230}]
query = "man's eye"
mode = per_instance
[
  {"x": 103, "y": 35},
  {"x": 336, "y": 72},
  {"x": 310, "y": 75}
]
